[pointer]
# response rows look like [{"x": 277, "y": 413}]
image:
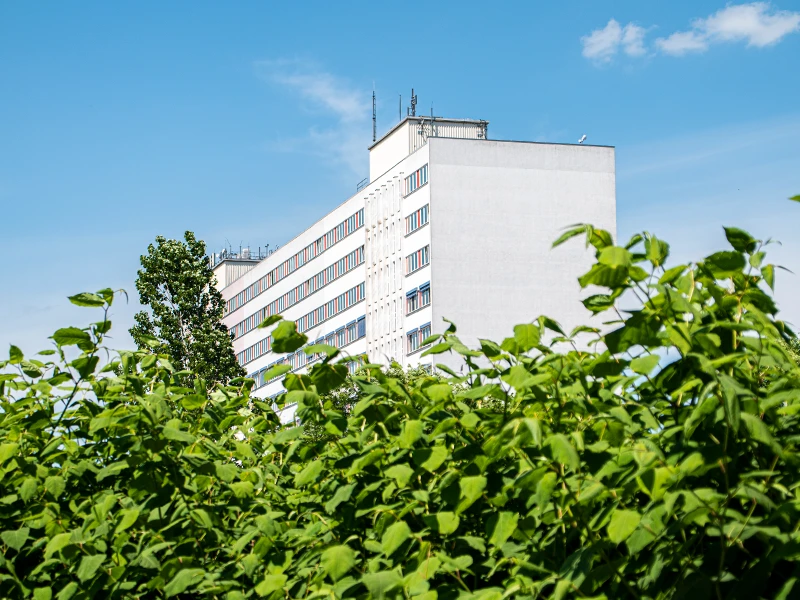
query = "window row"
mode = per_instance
[
  {"x": 355, "y": 330},
  {"x": 341, "y": 303},
  {"x": 416, "y": 180},
  {"x": 416, "y": 337},
  {"x": 341, "y": 267},
  {"x": 417, "y": 219},
  {"x": 418, "y": 298},
  {"x": 338, "y": 233},
  {"x": 418, "y": 259}
]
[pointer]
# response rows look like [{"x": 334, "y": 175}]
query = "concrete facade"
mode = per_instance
[
  {"x": 496, "y": 209},
  {"x": 451, "y": 225}
]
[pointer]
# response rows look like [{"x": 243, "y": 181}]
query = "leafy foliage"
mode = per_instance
[
  {"x": 185, "y": 322},
  {"x": 662, "y": 465}
]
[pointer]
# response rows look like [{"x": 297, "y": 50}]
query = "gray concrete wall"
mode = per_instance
[{"x": 496, "y": 208}]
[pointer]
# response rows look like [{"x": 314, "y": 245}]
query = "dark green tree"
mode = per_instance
[{"x": 186, "y": 309}]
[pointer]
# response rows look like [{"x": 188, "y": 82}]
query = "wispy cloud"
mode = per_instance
[
  {"x": 601, "y": 45},
  {"x": 344, "y": 136},
  {"x": 756, "y": 24}
]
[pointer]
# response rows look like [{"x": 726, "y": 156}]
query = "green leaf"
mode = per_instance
[
  {"x": 394, "y": 536},
  {"x": 570, "y": 233},
  {"x": 623, "y": 523},
  {"x": 412, "y": 431},
  {"x": 15, "y": 539},
  {"x": 183, "y": 580},
  {"x": 87, "y": 299},
  {"x": 501, "y": 526},
  {"x": 431, "y": 458},
  {"x": 656, "y": 250},
  {"x": 271, "y": 583},
  {"x": 30, "y": 369},
  {"x": 43, "y": 593},
  {"x": 270, "y": 320},
  {"x": 89, "y": 566},
  {"x": 740, "y": 240},
  {"x": 759, "y": 431},
  {"x": 342, "y": 494},
  {"x": 644, "y": 364},
  {"x": 526, "y": 336},
  {"x": 614, "y": 256},
  {"x": 71, "y": 336},
  {"x": 129, "y": 517},
  {"x": 563, "y": 451},
  {"x": 242, "y": 489},
  {"x": 446, "y": 522},
  {"x": 55, "y": 485},
  {"x": 7, "y": 451},
  {"x": 381, "y": 582},
  {"x": 321, "y": 349},
  {"x": 15, "y": 355},
  {"x": 599, "y": 302},
  {"x": 309, "y": 474},
  {"x": 171, "y": 433},
  {"x": 285, "y": 338},
  {"x": 338, "y": 561},
  {"x": 725, "y": 264},
  {"x": 471, "y": 489},
  {"x": 193, "y": 401},
  {"x": 56, "y": 543},
  {"x": 226, "y": 472},
  {"x": 768, "y": 273},
  {"x": 795, "y": 198},
  {"x": 400, "y": 473},
  {"x": 28, "y": 488},
  {"x": 68, "y": 591}
]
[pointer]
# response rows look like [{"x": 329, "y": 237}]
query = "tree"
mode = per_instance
[
  {"x": 186, "y": 310},
  {"x": 664, "y": 464}
]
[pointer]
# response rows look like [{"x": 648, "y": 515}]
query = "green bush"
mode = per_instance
[{"x": 663, "y": 465}]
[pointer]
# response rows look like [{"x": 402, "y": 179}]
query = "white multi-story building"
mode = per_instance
[{"x": 451, "y": 225}]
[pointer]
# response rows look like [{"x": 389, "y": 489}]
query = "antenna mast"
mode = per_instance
[
  {"x": 413, "y": 103},
  {"x": 374, "y": 117}
]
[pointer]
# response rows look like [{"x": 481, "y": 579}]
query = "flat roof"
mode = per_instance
[{"x": 419, "y": 119}]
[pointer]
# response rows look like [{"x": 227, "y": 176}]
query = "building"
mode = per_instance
[{"x": 451, "y": 225}]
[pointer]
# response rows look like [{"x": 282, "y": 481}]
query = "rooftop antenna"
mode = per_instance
[
  {"x": 374, "y": 116},
  {"x": 431, "y": 110},
  {"x": 400, "y": 108},
  {"x": 413, "y": 111},
  {"x": 583, "y": 139}
]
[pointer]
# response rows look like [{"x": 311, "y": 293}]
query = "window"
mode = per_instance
[
  {"x": 418, "y": 298},
  {"x": 417, "y": 219},
  {"x": 413, "y": 340},
  {"x": 292, "y": 297},
  {"x": 412, "y": 301},
  {"x": 306, "y": 322},
  {"x": 416, "y": 180},
  {"x": 417, "y": 260},
  {"x": 345, "y": 335},
  {"x": 416, "y": 337},
  {"x": 347, "y": 227}
]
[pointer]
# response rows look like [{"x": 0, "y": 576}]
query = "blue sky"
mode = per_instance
[{"x": 123, "y": 121}]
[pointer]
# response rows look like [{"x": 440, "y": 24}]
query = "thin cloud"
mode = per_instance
[
  {"x": 756, "y": 24},
  {"x": 601, "y": 45},
  {"x": 345, "y": 136},
  {"x": 633, "y": 40}
]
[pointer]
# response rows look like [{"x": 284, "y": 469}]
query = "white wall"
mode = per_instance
[
  {"x": 310, "y": 302},
  {"x": 389, "y": 151},
  {"x": 496, "y": 208}
]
